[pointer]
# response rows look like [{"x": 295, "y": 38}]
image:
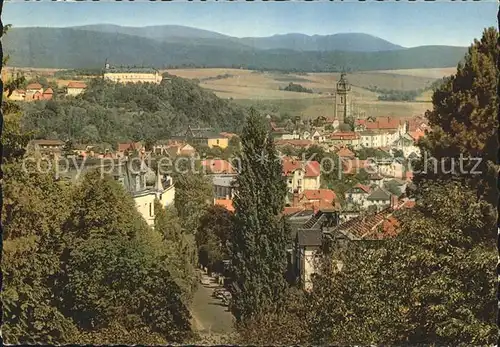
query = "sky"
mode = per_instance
[{"x": 408, "y": 24}]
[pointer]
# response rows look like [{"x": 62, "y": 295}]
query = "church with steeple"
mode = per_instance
[{"x": 343, "y": 102}]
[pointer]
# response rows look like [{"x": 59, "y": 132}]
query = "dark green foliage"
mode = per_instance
[
  {"x": 434, "y": 283},
  {"x": 212, "y": 237},
  {"x": 465, "y": 120},
  {"x": 292, "y": 87},
  {"x": 193, "y": 195},
  {"x": 110, "y": 113},
  {"x": 259, "y": 236}
]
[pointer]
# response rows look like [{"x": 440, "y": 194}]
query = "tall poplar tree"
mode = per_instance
[{"x": 258, "y": 240}]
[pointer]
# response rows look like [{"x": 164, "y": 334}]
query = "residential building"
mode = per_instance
[
  {"x": 317, "y": 137},
  {"x": 308, "y": 253},
  {"x": 32, "y": 88},
  {"x": 203, "y": 137},
  {"x": 379, "y": 197},
  {"x": 47, "y": 147},
  {"x": 130, "y": 147},
  {"x": 224, "y": 186},
  {"x": 358, "y": 194},
  {"x": 407, "y": 144},
  {"x": 344, "y": 138},
  {"x": 301, "y": 175},
  {"x": 18, "y": 95},
  {"x": 132, "y": 75},
  {"x": 345, "y": 153},
  {"x": 376, "y": 179},
  {"x": 75, "y": 88}
]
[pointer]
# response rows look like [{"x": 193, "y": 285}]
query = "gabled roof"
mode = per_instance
[
  {"x": 77, "y": 85},
  {"x": 417, "y": 134},
  {"x": 312, "y": 168},
  {"x": 122, "y": 147},
  {"x": 34, "y": 86},
  {"x": 345, "y": 152},
  {"x": 310, "y": 238},
  {"x": 366, "y": 227},
  {"x": 379, "y": 194},
  {"x": 320, "y": 194}
]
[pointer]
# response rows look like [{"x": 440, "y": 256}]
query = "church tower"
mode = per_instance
[{"x": 343, "y": 99}]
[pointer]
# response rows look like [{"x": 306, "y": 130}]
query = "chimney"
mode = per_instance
[
  {"x": 296, "y": 197},
  {"x": 394, "y": 202}
]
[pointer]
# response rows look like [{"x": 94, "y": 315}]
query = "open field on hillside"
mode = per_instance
[
  {"x": 429, "y": 73},
  {"x": 261, "y": 89}
]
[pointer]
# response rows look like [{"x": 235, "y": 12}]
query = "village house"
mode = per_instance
[
  {"x": 140, "y": 181},
  {"x": 33, "y": 88},
  {"x": 345, "y": 153},
  {"x": 344, "y": 138},
  {"x": 394, "y": 168},
  {"x": 203, "y": 137},
  {"x": 47, "y": 147},
  {"x": 75, "y": 88},
  {"x": 407, "y": 144},
  {"x": 379, "y": 199},
  {"x": 224, "y": 186},
  {"x": 174, "y": 149},
  {"x": 317, "y": 137},
  {"x": 376, "y": 179},
  {"x": 357, "y": 194},
  {"x": 301, "y": 175},
  {"x": 18, "y": 95}
]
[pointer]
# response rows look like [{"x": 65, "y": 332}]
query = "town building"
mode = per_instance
[
  {"x": 203, "y": 137},
  {"x": 344, "y": 138},
  {"x": 224, "y": 186},
  {"x": 343, "y": 104},
  {"x": 75, "y": 88},
  {"x": 300, "y": 175},
  {"x": 132, "y": 75},
  {"x": 46, "y": 147}
]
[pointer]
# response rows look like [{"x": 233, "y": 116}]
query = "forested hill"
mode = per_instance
[
  {"x": 70, "y": 48},
  {"x": 109, "y": 113}
]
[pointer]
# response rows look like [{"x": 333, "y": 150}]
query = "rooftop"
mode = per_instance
[{"x": 132, "y": 69}]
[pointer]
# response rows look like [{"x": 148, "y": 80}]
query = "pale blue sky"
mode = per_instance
[{"x": 404, "y": 23}]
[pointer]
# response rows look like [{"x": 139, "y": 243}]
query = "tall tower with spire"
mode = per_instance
[{"x": 343, "y": 99}]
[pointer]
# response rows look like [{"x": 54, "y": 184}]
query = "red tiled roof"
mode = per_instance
[
  {"x": 417, "y": 134},
  {"x": 34, "y": 86},
  {"x": 382, "y": 123},
  {"x": 218, "y": 166},
  {"x": 375, "y": 226},
  {"x": 347, "y": 135},
  {"x": 409, "y": 175},
  {"x": 122, "y": 147},
  {"x": 345, "y": 152},
  {"x": 312, "y": 168},
  {"x": 48, "y": 91},
  {"x": 78, "y": 85},
  {"x": 326, "y": 195},
  {"x": 20, "y": 91},
  {"x": 227, "y": 203}
]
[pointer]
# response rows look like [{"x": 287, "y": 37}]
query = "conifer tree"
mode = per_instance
[
  {"x": 258, "y": 240},
  {"x": 464, "y": 121}
]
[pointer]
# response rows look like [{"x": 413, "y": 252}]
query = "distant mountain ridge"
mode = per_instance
[{"x": 170, "y": 45}]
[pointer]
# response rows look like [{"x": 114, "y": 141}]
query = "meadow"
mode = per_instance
[{"x": 262, "y": 89}]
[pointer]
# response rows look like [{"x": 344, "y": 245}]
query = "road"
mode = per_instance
[{"x": 209, "y": 314}]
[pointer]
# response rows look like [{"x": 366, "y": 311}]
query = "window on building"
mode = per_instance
[
  {"x": 300, "y": 182},
  {"x": 289, "y": 181},
  {"x": 217, "y": 141},
  {"x": 150, "y": 209}
]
